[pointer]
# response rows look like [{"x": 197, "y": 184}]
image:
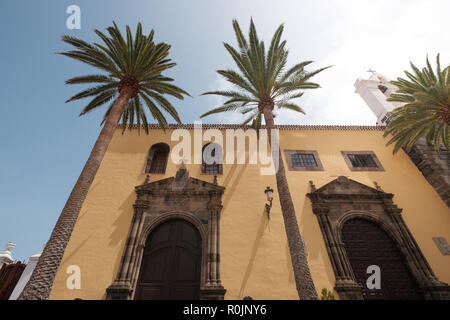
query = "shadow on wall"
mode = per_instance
[
  {"x": 263, "y": 224},
  {"x": 318, "y": 259},
  {"x": 121, "y": 227},
  {"x": 231, "y": 189}
]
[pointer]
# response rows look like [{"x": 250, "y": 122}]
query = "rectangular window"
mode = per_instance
[
  {"x": 362, "y": 161},
  {"x": 303, "y": 160}
]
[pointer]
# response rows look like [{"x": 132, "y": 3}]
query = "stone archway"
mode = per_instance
[
  {"x": 366, "y": 244},
  {"x": 181, "y": 197},
  {"x": 343, "y": 199}
]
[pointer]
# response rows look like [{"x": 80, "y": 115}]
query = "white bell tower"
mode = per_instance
[{"x": 375, "y": 92}]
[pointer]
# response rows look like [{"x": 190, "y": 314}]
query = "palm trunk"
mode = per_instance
[
  {"x": 41, "y": 281},
  {"x": 303, "y": 280}
]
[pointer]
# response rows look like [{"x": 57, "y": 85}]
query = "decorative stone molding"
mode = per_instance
[
  {"x": 343, "y": 199},
  {"x": 5, "y": 256},
  {"x": 179, "y": 197}
]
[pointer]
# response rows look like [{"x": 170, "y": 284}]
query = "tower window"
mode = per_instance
[
  {"x": 386, "y": 119},
  {"x": 382, "y": 88}
]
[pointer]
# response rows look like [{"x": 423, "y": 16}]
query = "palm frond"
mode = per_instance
[
  {"x": 133, "y": 60},
  {"x": 92, "y": 91},
  {"x": 95, "y": 78},
  {"x": 260, "y": 76},
  {"x": 156, "y": 113},
  {"x": 426, "y": 110},
  {"x": 99, "y": 100},
  {"x": 224, "y": 108},
  {"x": 291, "y": 106}
]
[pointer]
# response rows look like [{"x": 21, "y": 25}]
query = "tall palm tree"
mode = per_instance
[
  {"x": 261, "y": 85},
  {"x": 426, "y": 112},
  {"x": 133, "y": 72}
]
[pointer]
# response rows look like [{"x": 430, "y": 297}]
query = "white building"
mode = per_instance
[
  {"x": 6, "y": 256},
  {"x": 375, "y": 92},
  {"x": 26, "y": 274}
]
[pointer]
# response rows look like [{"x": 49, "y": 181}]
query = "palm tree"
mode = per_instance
[
  {"x": 261, "y": 85},
  {"x": 426, "y": 112},
  {"x": 133, "y": 72}
]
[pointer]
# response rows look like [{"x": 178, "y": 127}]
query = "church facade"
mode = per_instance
[{"x": 154, "y": 228}]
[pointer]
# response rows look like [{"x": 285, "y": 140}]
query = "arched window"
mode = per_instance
[
  {"x": 157, "y": 158},
  {"x": 212, "y": 159}
]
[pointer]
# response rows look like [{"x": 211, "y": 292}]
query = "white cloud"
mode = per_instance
[
  {"x": 382, "y": 35},
  {"x": 214, "y": 101},
  {"x": 351, "y": 35}
]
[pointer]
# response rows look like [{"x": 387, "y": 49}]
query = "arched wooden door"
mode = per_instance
[
  {"x": 171, "y": 263},
  {"x": 367, "y": 244}
]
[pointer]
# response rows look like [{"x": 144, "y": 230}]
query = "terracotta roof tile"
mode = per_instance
[{"x": 280, "y": 127}]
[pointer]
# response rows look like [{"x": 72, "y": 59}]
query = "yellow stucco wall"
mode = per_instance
[{"x": 255, "y": 257}]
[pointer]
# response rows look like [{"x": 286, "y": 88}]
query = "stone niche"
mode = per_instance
[{"x": 180, "y": 197}]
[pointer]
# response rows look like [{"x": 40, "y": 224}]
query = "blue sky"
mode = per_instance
[{"x": 44, "y": 144}]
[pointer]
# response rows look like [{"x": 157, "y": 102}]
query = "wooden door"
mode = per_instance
[
  {"x": 171, "y": 263},
  {"x": 367, "y": 244}
]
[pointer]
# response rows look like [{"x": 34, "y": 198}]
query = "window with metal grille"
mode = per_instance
[
  {"x": 214, "y": 168},
  {"x": 157, "y": 158},
  {"x": 159, "y": 161},
  {"x": 303, "y": 160},
  {"x": 362, "y": 160}
]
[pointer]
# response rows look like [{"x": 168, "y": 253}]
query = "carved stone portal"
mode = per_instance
[
  {"x": 179, "y": 197},
  {"x": 343, "y": 199}
]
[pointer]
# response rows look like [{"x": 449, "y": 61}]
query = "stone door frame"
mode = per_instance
[
  {"x": 181, "y": 197},
  {"x": 343, "y": 199},
  {"x": 155, "y": 223}
]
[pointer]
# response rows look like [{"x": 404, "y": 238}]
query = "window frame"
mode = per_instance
[
  {"x": 374, "y": 157},
  {"x": 291, "y": 167},
  {"x": 205, "y": 165},
  {"x": 151, "y": 153}
]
